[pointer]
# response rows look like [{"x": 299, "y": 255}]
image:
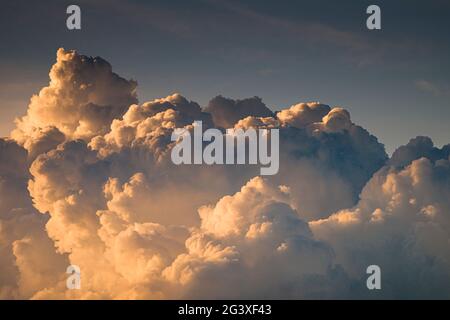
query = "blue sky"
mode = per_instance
[{"x": 395, "y": 82}]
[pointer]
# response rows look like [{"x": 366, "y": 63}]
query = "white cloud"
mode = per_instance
[{"x": 81, "y": 100}]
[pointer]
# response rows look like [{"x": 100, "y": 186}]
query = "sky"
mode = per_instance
[
  {"x": 394, "y": 81},
  {"x": 89, "y": 180}
]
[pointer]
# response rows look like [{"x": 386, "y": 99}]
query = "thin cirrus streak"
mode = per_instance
[{"x": 86, "y": 179}]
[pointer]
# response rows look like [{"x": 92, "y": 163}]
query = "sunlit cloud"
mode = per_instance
[{"x": 86, "y": 179}]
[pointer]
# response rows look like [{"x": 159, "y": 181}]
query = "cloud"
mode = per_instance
[
  {"x": 323, "y": 155},
  {"x": 417, "y": 148},
  {"x": 303, "y": 114},
  {"x": 25, "y": 247},
  {"x": 150, "y": 124},
  {"x": 431, "y": 88},
  {"x": 96, "y": 199},
  {"x": 401, "y": 224},
  {"x": 253, "y": 240},
  {"x": 81, "y": 100},
  {"x": 87, "y": 179},
  {"x": 226, "y": 112}
]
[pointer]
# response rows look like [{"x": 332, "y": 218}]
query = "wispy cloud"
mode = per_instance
[{"x": 432, "y": 88}]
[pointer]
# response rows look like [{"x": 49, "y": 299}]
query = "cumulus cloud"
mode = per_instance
[
  {"x": 81, "y": 100},
  {"x": 254, "y": 241},
  {"x": 401, "y": 224},
  {"x": 417, "y": 148},
  {"x": 25, "y": 247},
  {"x": 150, "y": 125},
  {"x": 303, "y": 114},
  {"x": 226, "y": 112},
  {"x": 323, "y": 155},
  {"x": 86, "y": 178}
]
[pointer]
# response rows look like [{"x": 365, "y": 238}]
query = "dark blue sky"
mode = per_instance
[{"x": 395, "y": 82}]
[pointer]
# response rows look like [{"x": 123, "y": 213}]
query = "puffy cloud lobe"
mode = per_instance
[
  {"x": 303, "y": 114},
  {"x": 150, "y": 125},
  {"x": 13, "y": 176},
  {"x": 140, "y": 252},
  {"x": 257, "y": 122},
  {"x": 226, "y": 112},
  {"x": 13, "y": 179},
  {"x": 323, "y": 155},
  {"x": 40, "y": 140},
  {"x": 255, "y": 241},
  {"x": 81, "y": 100},
  {"x": 25, "y": 248},
  {"x": 316, "y": 117},
  {"x": 138, "y": 200},
  {"x": 233, "y": 214},
  {"x": 402, "y": 224},
  {"x": 417, "y": 148}
]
